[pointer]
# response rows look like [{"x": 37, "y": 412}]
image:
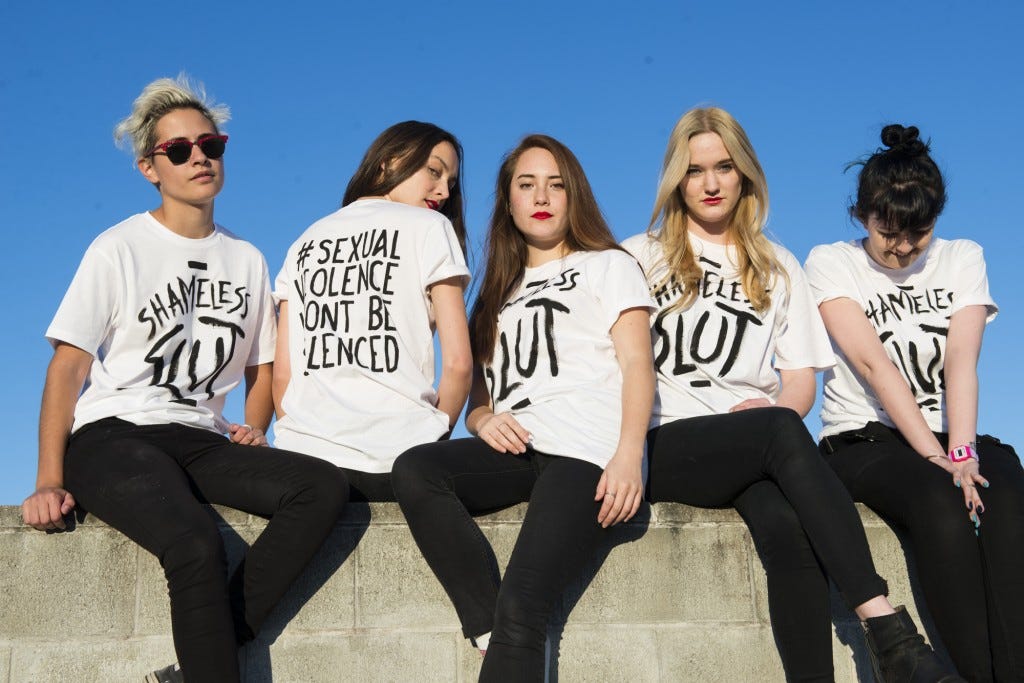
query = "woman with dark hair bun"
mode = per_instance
[
  {"x": 906, "y": 312},
  {"x": 559, "y": 407},
  {"x": 361, "y": 293}
]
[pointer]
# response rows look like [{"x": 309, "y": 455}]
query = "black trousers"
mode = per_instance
[
  {"x": 765, "y": 463},
  {"x": 441, "y": 485},
  {"x": 150, "y": 483},
  {"x": 973, "y": 584}
]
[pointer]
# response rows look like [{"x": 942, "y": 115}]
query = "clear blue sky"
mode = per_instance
[{"x": 310, "y": 85}]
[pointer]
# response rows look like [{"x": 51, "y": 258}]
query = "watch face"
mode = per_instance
[{"x": 961, "y": 453}]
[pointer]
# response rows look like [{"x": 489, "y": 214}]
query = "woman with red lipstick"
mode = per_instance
[
  {"x": 361, "y": 293},
  {"x": 167, "y": 313},
  {"x": 906, "y": 312},
  {"x": 559, "y": 406},
  {"x": 737, "y": 344}
]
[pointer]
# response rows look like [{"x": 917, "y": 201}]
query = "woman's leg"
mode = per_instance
[
  {"x": 710, "y": 460},
  {"x": 123, "y": 475},
  {"x": 301, "y": 495},
  {"x": 1002, "y": 538},
  {"x": 798, "y": 594},
  {"x": 439, "y": 486},
  {"x": 559, "y": 536},
  {"x": 920, "y": 500}
]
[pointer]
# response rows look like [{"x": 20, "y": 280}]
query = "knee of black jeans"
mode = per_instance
[
  {"x": 331, "y": 490},
  {"x": 412, "y": 475},
  {"x": 788, "y": 436},
  {"x": 194, "y": 559},
  {"x": 321, "y": 490}
]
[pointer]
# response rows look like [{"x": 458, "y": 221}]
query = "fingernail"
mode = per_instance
[
  {"x": 985, "y": 484},
  {"x": 975, "y": 532},
  {"x": 981, "y": 508},
  {"x": 957, "y": 484},
  {"x": 970, "y": 506}
]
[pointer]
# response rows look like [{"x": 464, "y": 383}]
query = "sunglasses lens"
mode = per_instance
[
  {"x": 179, "y": 152},
  {"x": 213, "y": 147}
]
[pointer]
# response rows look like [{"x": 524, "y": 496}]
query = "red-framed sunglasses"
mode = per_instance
[{"x": 180, "y": 151}]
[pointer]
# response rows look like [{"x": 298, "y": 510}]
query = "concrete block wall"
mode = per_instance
[{"x": 677, "y": 595}]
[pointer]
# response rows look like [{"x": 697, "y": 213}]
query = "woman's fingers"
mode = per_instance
[
  {"x": 620, "y": 505},
  {"x": 504, "y": 434}
]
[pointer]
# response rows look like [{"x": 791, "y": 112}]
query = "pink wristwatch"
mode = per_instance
[{"x": 963, "y": 453}]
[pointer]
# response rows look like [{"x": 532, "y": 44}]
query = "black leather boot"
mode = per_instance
[{"x": 899, "y": 653}]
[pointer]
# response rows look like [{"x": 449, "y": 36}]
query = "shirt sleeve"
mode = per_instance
[
  {"x": 90, "y": 305},
  {"x": 441, "y": 255},
  {"x": 619, "y": 284},
  {"x": 828, "y": 276},
  {"x": 282, "y": 283},
  {"x": 801, "y": 340},
  {"x": 971, "y": 279}
]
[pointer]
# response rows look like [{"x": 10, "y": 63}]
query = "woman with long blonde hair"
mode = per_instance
[{"x": 737, "y": 343}]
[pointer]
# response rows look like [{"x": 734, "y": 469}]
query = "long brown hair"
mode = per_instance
[
  {"x": 758, "y": 265},
  {"x": 506, "y": 247},
  {"x": 397, "y": 153}
]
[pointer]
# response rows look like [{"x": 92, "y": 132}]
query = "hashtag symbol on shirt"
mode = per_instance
[{"x": 304, "y": 252}]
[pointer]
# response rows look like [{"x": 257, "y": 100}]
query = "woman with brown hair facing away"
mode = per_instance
[{"x": 361, "y": 294}]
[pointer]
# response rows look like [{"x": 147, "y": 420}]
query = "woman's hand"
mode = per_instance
[
  {"x": 621, "y": 488},
  {"x": 966, "y": 477},
  {"x": 751, "y": 403},
  {"x": 45, "y": 509},
  {"x": 503, "y": 433},
  {"x": 246, "y": 435}
]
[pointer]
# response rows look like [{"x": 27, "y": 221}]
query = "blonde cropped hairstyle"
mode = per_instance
[
  {"x": 160, "y": 97},
  {"x": 757, "y": 264}
]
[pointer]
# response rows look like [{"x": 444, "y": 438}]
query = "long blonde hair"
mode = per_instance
[{"x": 758, "y": 265}]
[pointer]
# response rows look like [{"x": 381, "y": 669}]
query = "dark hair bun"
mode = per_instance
[{"x": 905, "y": 140}]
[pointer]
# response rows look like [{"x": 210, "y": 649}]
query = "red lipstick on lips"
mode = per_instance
[
  {"x": 432, "y": 204},
  {"x": 541, "y": 215},
  {"x": 712, "y": 201}
]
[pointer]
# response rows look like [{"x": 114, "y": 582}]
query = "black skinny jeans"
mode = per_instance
[
  {"x": 150, "y": 483},
  {"x": 765, "y": 463},
  {"x": 973, "y": 585},
  {"x": 441, "y": 485}
]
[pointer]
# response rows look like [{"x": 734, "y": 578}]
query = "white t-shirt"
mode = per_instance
[
  {"x": 360, "y": 333},
  {"x": 172, "y": 322},
  {"x": 719, "y": 351},
  {"x": 910, "y": 310},
  {"x": 554, "y": 366}
]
